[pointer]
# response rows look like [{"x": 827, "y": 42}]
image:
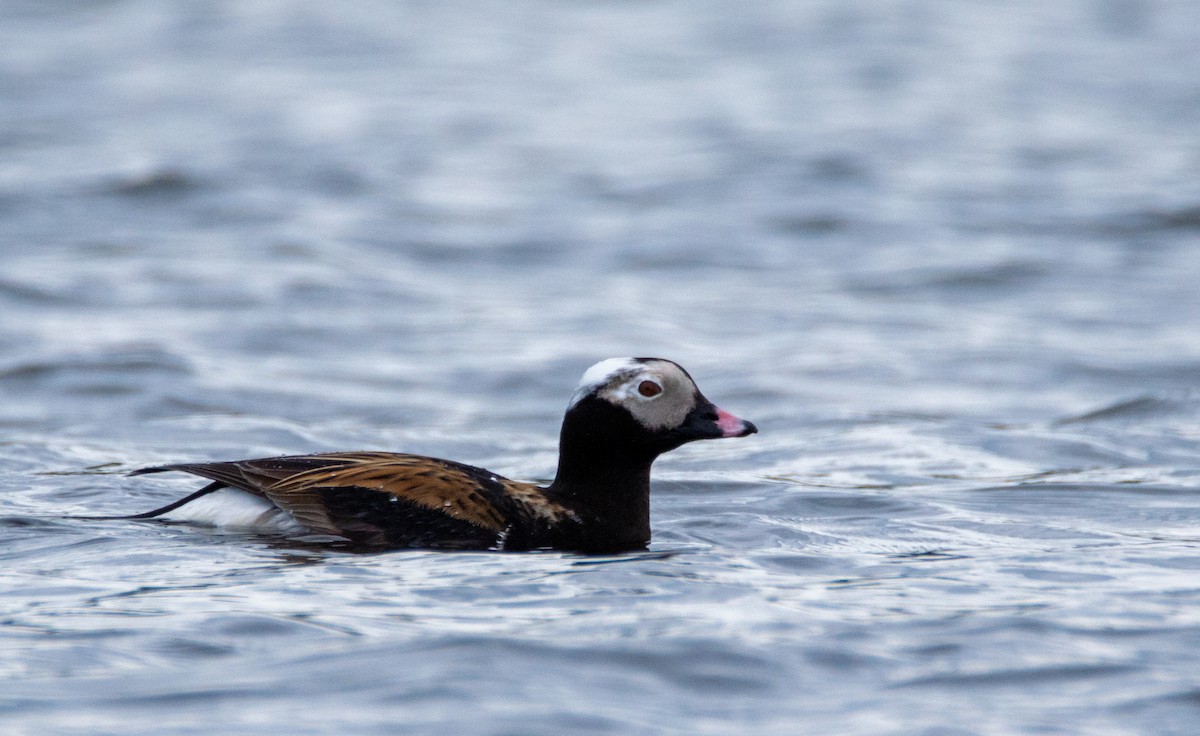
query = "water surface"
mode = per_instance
[{"x": 943, "y": 255}]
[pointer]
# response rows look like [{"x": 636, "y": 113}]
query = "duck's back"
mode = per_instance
[{"x": 378, "y": 499}]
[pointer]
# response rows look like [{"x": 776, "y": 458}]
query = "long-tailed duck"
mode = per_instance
[{"x": 624, "y": 414}]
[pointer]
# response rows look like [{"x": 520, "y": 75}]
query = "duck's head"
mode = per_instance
[{"x": 650, "y": 404}]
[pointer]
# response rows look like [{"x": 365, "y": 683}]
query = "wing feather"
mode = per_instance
[
  {"x": 458, "y": 491},
  {"x": 388, "y": 499}
]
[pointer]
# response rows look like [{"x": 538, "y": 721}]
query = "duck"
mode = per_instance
[{"x": 624, "y": 413}]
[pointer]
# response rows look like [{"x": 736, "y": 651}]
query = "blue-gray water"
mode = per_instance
[{"x": 945, "y": 255}]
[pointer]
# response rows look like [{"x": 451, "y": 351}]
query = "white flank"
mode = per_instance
[{"x": 235, "y": 509}]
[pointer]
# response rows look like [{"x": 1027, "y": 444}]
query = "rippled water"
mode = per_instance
[{"x": 944, "y": 255}]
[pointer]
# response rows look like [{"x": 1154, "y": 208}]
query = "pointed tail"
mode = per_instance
[{"x": 215, "y": 485}]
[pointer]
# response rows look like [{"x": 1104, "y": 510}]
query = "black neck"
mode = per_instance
[{"x": 604, "y": 461}]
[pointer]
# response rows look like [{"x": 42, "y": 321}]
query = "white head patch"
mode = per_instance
[
  {"x": 619, "y": 381},
  {"x": 600, "y": 374}
]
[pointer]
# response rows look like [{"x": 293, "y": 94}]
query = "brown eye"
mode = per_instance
[{"x": 649, "y": 389}]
